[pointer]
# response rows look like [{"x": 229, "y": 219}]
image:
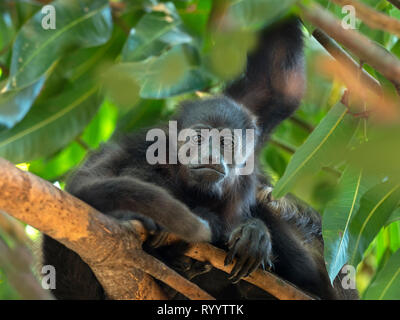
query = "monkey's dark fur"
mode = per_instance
[{"x": 236, "y": 211}]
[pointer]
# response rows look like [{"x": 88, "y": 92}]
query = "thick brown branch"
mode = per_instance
[
  {"x": 361, "y": 46},
  {"x": 265, "y": 280},
  {"x": 112, "y": 250},
  {"x": 373, "y": 18}
]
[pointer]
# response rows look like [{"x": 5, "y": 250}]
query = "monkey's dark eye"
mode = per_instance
[{"x": 198, "y": 139}]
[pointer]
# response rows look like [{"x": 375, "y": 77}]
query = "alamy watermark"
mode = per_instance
[
  {"x": 349, "y": 20},
  {"x": 49, "y": 18},
  {"x": 198, "y": 146}
]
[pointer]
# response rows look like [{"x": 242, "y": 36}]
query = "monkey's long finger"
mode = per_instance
[
  {"x": 267, "y": 263},
  {"x": 242, "y": 271},
  {"x": 255, "y": 266},
  {"x": 230, "y": 256},
  {"x": 233, "y": 238}
]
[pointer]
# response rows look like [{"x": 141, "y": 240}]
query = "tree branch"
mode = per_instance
[
  {"x": 361, "y": 46},
  {"x": 111, "y": 249},
  {"x": 373, "y": 18}
]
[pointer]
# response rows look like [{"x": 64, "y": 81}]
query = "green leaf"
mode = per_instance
[
  {"x": 174, "y": 72},
  {"x": 15, "y": 104},
  {"x": 387, "y": 282},
  {"x": 325, "y": 145},
  {"x": 395, "y": 216},
  {"x": 50, "y": 126},
  {"x": 337, "y": 217},
  {"x": 154, "y": 33},
  {"x": 376, "y": 206},
  {"x": 82, "y": 23}
]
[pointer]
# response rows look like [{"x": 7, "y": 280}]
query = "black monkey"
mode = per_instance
[{"x": 219, "y": 205}]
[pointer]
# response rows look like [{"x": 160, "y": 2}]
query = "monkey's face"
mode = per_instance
[
  {"x": 216, "y": 143},
  {"x": 212, "y": 159}
]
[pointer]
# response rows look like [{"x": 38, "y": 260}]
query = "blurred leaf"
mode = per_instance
[
  {"x": 51, "y": 125},
  {"x": 6, "y": 29},
  {"x": 387, "y": 282},
  {"x": 381, "y": 154},
  {"x": 376, "y": 206},
  {"x": 82, "y": 23},
  {"x": 253, "y": 13},
  {"x": 120, "y": 87},
  {"x": 337, "y": 217},
  {"x": 325, "y": 145},
  {"x": 154, "y": 33},
  {"x": 171, "y": 74},
  {"x": 227, "y": 56}
]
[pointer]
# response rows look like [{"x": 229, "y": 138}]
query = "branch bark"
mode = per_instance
[
  {"x": 111, "y": 249},
  {"x": 361, "y": 46},
  {"x": 373, "y": 18}
]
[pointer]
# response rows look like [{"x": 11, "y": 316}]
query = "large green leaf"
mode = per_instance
[
  {"x": 387, "y": 282},
  {"x": 83, "y": 23},
  {"x": 325, "y": 145},
  {"x": 99, "y": 130},
  {"x": 154, "y": 33},
  {"x": 338, "y": 215},
  {"x": 79, "y": 23},
  {"x": 376, "y": 206},
  {"x": 51, "y": 125}
]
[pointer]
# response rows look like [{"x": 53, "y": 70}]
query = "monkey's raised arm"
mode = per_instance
[{"x": 273, "y": 83}]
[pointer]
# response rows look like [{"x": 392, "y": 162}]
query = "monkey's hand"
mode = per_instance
[
  {"x": 157, "y": 234},
  {"x": 251, "y": 244}
]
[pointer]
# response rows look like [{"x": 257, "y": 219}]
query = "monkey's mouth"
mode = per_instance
[{"x": 210, "y": 173}]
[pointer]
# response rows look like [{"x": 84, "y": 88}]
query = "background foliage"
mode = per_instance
[{"x": 123, "y": 65}]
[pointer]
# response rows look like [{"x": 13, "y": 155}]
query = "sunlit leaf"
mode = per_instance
[
  {"x": 154, "y": 33},
  {"x": 51, "y": 125},
  {"x": 376, "y": 206},
  {"x": 325, "y": 145},
  {"x": 83, "y": 23},
  {"x": 337, "y": 217},
  {"x": 387, "y": 283}
]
